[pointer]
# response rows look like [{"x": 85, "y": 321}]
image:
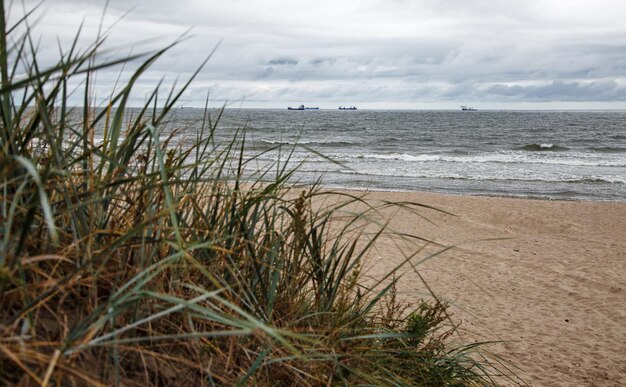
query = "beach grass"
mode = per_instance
[{"x": 127, "y": 257}]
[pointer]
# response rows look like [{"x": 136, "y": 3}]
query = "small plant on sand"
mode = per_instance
[{"x": 127, "y": 258}]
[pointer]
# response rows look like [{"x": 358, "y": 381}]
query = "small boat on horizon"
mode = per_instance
[
  {"x": 347, "y": 108},
  {"x": 302, "y": 107},
  {"x": 467, "y": 108}
]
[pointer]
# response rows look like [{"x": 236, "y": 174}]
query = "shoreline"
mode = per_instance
[
  {"x": 461, "y": 194},
  {"x": 547, "y": 277}
]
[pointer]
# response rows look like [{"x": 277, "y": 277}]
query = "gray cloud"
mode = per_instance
[
  {"x": 480, "y": 51},
  {"x": 322, "y": 61},
  {"x": 282, "y": 62},
  {"x": 561, "y": 91}
]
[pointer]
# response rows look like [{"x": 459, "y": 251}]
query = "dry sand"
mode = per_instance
[{"x": 554, "y": 289}]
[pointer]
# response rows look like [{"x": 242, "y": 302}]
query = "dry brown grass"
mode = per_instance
[{"x": 135, "y": 262}]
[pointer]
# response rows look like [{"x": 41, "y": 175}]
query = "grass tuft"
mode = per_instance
[{"x": 128, "y": 259}]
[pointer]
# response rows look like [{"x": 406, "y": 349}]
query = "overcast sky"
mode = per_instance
[{"x": 369, "y": 53}]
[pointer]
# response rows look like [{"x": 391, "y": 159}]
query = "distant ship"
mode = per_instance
[
  {"x": 302, "y": 107},
  {"x": 347, "y": 108},
  {"x": 467, "y": 108}
]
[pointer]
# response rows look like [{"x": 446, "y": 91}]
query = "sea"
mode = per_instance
[{"x": 571, "y": 155}]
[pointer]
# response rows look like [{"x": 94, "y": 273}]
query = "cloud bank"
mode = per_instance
[{"x": 389, "y": 53}]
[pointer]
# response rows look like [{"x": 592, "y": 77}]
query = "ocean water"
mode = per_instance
[{"x": 577, "y": 155}]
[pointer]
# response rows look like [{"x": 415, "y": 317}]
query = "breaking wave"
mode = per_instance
[
  {"x": 308, "y": 143},
  {"x": 510, "y": 157},
  {"x": 448, "y": 175}
]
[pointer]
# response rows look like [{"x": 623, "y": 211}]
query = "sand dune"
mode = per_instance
[{"x": 546, "y": 277}]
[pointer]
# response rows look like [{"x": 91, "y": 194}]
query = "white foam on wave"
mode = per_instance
[
  {"x": 504, "y": 176},
  {"x": 508, "y": 157},
  {"x": 395, "y": 156},
  {"x": 486, "y": 162},
  {"x": 579, "y": 159},
  {"x": 285, "y": 142}
]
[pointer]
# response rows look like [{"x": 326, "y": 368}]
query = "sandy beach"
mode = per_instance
[{"x": 546, "y": 277}]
